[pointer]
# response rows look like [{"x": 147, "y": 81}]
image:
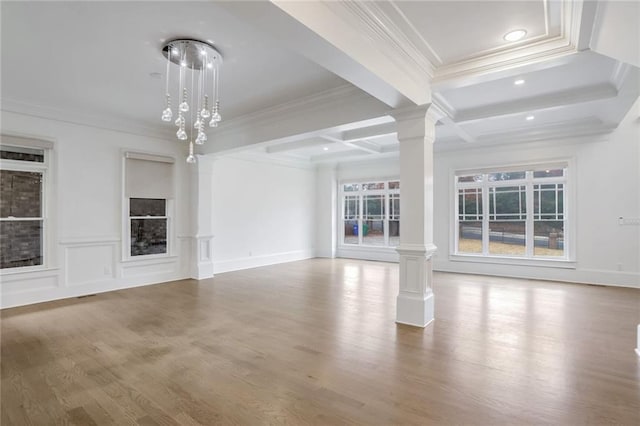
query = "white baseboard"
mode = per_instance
[
  {"x": 52, "y": 288},
  {"x": 578, "y": 275},
  {"x": 382, "y": 254},
  {"x": 257, "y": 261}
]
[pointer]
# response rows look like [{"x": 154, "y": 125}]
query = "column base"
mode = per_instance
[
  {"x": 201, "y": 258},
  {"x": 415, "y": 309}
]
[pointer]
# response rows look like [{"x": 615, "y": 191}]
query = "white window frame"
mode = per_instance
[
  {"x": 360, "y": 193},
  {"x": 126, "y": 219},
  {"x": 44, "y": 169},
  {"x": 167, "y": 217},
  {"x": 568, "y": 260}
]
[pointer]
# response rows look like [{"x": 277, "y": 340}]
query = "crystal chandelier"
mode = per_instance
[{"x": 197, "y": 78}]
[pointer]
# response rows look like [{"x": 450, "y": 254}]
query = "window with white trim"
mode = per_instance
[
  {"x": 515, "y": 212},
  {"x": 370, "y": 214},
  {"x": 148, "y": 204},
  {"x": 23, "y": 171}
]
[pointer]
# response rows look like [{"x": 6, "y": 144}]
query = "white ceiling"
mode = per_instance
[
  {"x": 91, "y": 62},
  {"x": 457, "y": 30},
  {"x": 98, "y": 57}
]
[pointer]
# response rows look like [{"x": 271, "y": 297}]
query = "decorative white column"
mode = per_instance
[
  {"x": 326, "y": 212},
  {"x": 416, "y": 134},
  {"x": 202, "y": 217}
]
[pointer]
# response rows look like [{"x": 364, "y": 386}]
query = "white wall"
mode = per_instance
[
  {"x": 86, "y": 214},
  {"x": 607, "y": 186},
  {"x": 263, "y": 213}
]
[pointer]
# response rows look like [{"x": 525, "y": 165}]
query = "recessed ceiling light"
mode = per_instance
[
  {"x": 515, "y": 35},
  {"x": 326, "y": 148},
  {"x": 530, "y": 117},
  {"x": 519, "y": 82}
]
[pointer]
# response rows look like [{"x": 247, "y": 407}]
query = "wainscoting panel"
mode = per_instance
[{"x": 87, "y": 263}]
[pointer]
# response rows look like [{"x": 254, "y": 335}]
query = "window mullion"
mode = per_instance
[
  {"x": 456, "y": 209},
  {"x": 343, "y": 213},
  {"x": 529, "y": 227},
  {"x": 485, "y": 216},
  {"x": 386, "y": 199},
  {"x": 360, "y": 215}
]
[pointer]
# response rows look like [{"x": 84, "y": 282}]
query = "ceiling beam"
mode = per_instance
[
  {"x": 336, "y": 156},
  {"x": 370, "y": 147},
  {"x": 369, "y": 132},
  {"x": 366, "y": 146},
  {"x": 304, "y": 118},
  {"x": 536, "y": 103},
  {"x": 281, "y": 22},
  {"x": 567, "y": 129},
  {"x": 295, "y": 145},
  {"x": 353, "y": 27}
]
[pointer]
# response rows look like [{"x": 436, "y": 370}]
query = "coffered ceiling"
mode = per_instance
[
  {"x": 313, "y": 81},
  {"x": 448, "y": 33}
]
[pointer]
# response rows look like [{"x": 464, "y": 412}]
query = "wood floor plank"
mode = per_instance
[{"x": 315, "y": 342}]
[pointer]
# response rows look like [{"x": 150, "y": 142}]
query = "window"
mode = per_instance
[
  {"x": 148, "y": 205},
  {"x": 148, "y": 225},
  {"x": 512, "y": 213},
  {"x": 371, "y": 213},
  {"x": 22, "y": 203}
]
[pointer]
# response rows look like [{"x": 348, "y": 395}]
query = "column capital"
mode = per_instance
[
  {"x": 417, "y": 121},
  {"x": 413, "y": 112}
]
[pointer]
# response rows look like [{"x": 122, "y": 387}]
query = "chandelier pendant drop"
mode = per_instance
[{"x": 202, "y": 61}]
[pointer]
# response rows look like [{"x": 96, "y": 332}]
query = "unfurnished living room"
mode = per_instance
[{"x": 320, "y": 212}]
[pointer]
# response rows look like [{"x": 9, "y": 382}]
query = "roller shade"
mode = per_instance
[
  {"x": 148, "y": 176},
  {"x": 26, "y": 142}
]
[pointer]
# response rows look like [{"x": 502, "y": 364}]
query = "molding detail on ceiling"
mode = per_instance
[
  {"x": 576, "y": 25},
  {"x": 364, "y": 32},
  {"x": 317, "y": 100},
  {"x": 569, "y": 25},
  {"x": 302, "y": 118},
  {"x": 387, "y": 36},
  {"x": 84, "y": 119}
]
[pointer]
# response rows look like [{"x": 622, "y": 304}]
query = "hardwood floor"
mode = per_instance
[{"x": 314, "y": 342}]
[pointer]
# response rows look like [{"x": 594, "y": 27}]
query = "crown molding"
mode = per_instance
[
  {"x": 327, "y": 99},
  {"x": 303, "y": 118},
  {"x": 503, "y": 61},
  {"x": 575, "y": 31},
  {"x": 318, "y": 100},
  {"x": 379, "y": 23},
  {"x": 82, "y": 118},
  {"x": 364, "y": 32},
  {"x": 264, "y": 158}
]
